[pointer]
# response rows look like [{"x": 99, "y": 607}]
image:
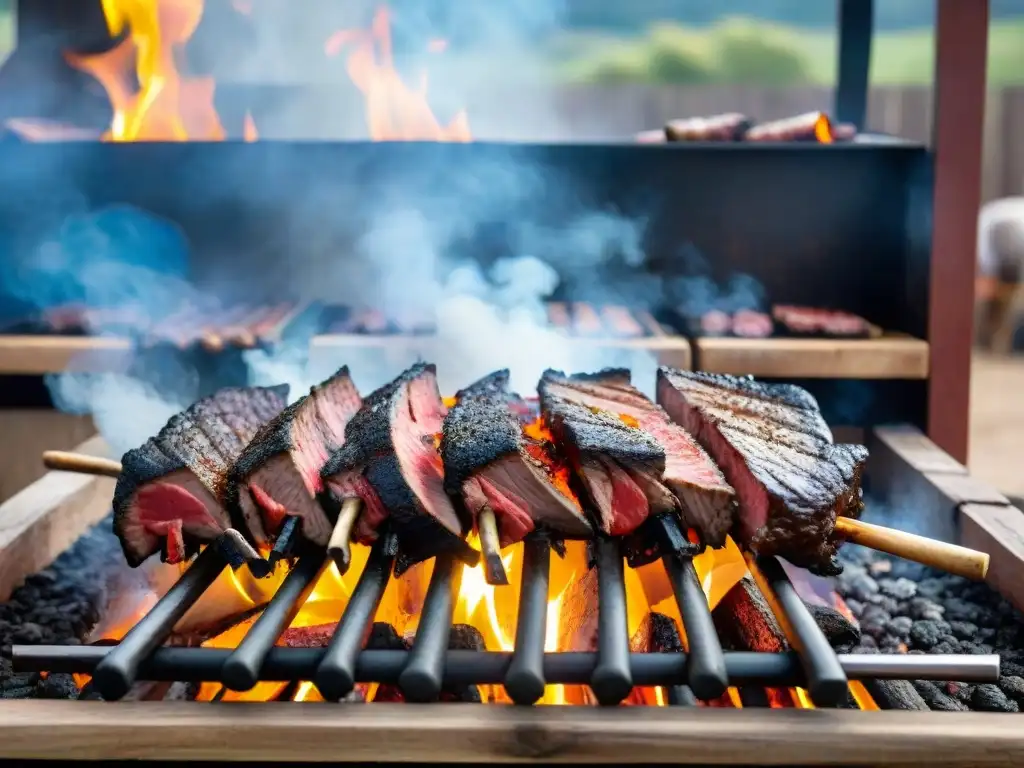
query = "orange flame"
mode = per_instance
[
  {"x": 491, "y": 610},
  {"x": 154, "y": 102},
  {"x": 823, "y": 129},
  {"x": 394, "y": 111},
  {"x": 249, "y": 132}
]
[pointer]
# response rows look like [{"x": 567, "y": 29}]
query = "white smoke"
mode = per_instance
[{"x": 411, "y": 259}]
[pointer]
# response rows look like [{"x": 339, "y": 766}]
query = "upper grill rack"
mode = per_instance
[{"x": 704, "y": 672}]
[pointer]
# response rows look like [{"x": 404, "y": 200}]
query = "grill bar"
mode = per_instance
[
  {"x": 703, "y": 672},
  {"x": 489, "y": 668},
  {"x": 242, "y": 670},
  {"x": 706, "y": 672},
  {"x": 118, "y": 671},
  {"x": 826, "y": 680},
  {"x": 680, "y": 696},
  {"x": 336, "y": 674},
  {"x": 525, "y": 681},
  {"x": 612, "y": 679},
  {"x": 423, "y": 677}
]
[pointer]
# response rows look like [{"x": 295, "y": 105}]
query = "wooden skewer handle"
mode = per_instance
[
  {"x": 959, "y": 561},
  {"x": 66, "y": 461}
]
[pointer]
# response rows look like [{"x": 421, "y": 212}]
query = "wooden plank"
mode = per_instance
[
  {"x": 26, "y": 434},
  {"x": 888, "y": 357},
  {"x": 919, "y": 486},
  {"x": 999, "y": 531},
  {"x": 916, "y": 450},
  {"x": 961, "y": 36},
  {"x": 470, "y": 733},
  {"x": 669, "y": 350},
  {"x": 40, "y": 522},
  {"x": 37, "y": 355}
]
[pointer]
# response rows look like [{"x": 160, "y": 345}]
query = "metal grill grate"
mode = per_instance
[{"x": 704, "y": 672}]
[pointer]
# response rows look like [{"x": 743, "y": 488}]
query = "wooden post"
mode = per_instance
[{"x": 961, "y": 37}]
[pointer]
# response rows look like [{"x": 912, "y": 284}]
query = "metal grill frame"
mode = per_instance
[{"x": 704, "y": 672}]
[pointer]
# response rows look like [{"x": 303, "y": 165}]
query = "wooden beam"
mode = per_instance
[
  {"x": 888, "y": 357},
  {"x": 668, "y": 350},
  {"x": 998, "y": 530},
  {"x": 40, "y": 522},
  {"x": 37, "y": 355},
  {"x": 961, "y": 38},
  {"x": 920, "y": 486},
  {"x": 471, "y": 733}
]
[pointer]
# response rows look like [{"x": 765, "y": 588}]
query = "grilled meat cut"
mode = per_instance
[
  {"x": 775, "y": 448},
  {"x": 812, "y": 322},
  {"x": 632, "y": 459},
  {"x": 490, "y": 462},
  {"x": 170, "y": 494},
  {"x": 390, "y": 443},
  {"x": 278, "y": 473}
]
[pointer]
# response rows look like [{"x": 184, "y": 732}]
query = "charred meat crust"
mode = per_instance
[
  {"x": 368, "y": 434},
  {"x": 790, "y": 491},
  {"x": 489, "y": 462},
  {"x": 369, "y": 447},
  {"x": 478, "y": 430},
  {"x": 232, "y": 415},
  {"x": 273, "y": 438},
  {"x": 594, "y": 432},
  {"x": 139, "y": 466}
]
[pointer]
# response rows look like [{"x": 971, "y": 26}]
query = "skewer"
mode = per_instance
[
  {"x": 951, "y": 558},
  {"x": 494, "y": 569},
  {"x": 66, "y": 461},
  {"x": 959, "y": 561},
  {"x": 338, "y": 547}
]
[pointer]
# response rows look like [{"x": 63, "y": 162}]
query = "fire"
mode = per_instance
[
  {"x": 151, "y": 99},
  {"x": 823, "y": 129},
  {"x": 491, "y": 610},
  {"x": 394, "y": 111},
  {"x": 249, "y": 132},
  {"x": 538, "y": 446}
]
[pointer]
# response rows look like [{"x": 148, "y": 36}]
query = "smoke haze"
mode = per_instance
[{"x": 478, "y": 257}]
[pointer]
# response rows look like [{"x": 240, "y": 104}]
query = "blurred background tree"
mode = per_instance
[{"x": 760, "y": 42}]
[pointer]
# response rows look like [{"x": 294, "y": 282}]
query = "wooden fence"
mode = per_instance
[{"x": 602, "y": 112}]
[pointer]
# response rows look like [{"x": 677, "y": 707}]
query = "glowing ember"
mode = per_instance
[
  {"x": 152, "y": 101},
  {"x": 539, "y": 444},
  {"x": 572, "y": 602},
  {"x": 394, "y": 111},
  {"x": 823, "y": 130}
]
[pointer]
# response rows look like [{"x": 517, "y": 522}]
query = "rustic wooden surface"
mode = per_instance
[
  {"x": 998, "y": 530},
  {"x": 669, "y": 350},
  {"x": 889, "y": 357},
  {"x": 470, "y": 733},
  {"x": 929, "y": 493},
  {"x": 44, "y": 519},
  {"x": 26, "y": 434},
  {"x": 961, "y": 34},
  {"x": 36, "y": 355}
]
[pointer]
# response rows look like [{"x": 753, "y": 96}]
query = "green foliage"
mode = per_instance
[
  {"x": 736, "y": 51},
  {"x": 746, "y": 51}
]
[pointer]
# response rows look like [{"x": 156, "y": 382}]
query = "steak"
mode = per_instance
[
  {"x": 830, "y": 323},
  {"x": 685, "y": 480},
  {"x": 390, "y": 444},
  {"x": 775, "y": 448},
  {"x": 170, "y": 495},
  {"x": 278, "y": 474},
  {"x": 490, "y": 462}
]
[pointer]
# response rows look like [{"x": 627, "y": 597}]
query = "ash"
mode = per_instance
[
  {"x": 60, "y": 604},
  {"x": 904, "y": 606}
]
